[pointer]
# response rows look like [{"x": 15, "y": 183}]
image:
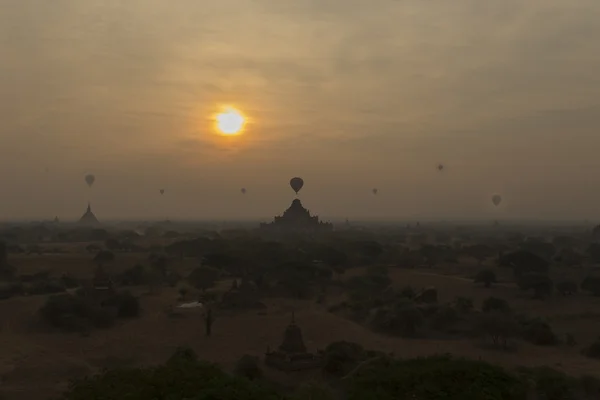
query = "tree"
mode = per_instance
[
  {"x": 566, "y": 287},
  {"x": 486, "y": 276},
  {"x": 480, "y": 252},
  {"x": 248, "y": 367},
  {"x": 499, "y": 327},
  {"x": 112, "y": 244},
  {"x": 436, "y": 378},
  {"x": 541, "y": 284},
  {"x": 539, "y": 332},
  {"x": 182, "y": 377},
  {"x": 204, "y": 278},
  {"x": 160, "y": 263},
  {"x": 104, "y": 257},
  {"x": 494, "y": 304},
  {"x": 523, "y": 261},
  {"x": 591, "y": 284},
  {"x": 313, "y": 391},
  {"x": 341, "y": 357},
  {"x": 209, "y": 319},
  {"x": 7, "y": 271}
]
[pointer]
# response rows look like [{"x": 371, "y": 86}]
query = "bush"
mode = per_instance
[
  {"x": 444, "y": 318},
  {"x": 499, "y": 327},
  {"x": 487, "y": 277},
  {"x": 68, "y": 281},
  {"x": 494, "y": 304},
  {"x": 248, "y": 367},
  {"x": 74, "y": 313},
  {"x": 9, "y": 290},
  {"x": 566, "y": 288},
  {"x": 341, "y": 357},
  {"x": 80, "y": 313},
  {"x": 539, "y": 332},
  {"x": 127, "y": 305},
  {"x": 552, "y": 385},
  {"x": 437, "y": 378},
  {"x": 463, "y": 304},
  {"x": 593, "y": 351},
  {"x": 47, "y": 287},
  {"x": 134, "y": 276},
  {"x": 182, "y": 377}
]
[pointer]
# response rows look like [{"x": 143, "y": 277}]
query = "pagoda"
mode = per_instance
[
  {"x": 297, "y": 219},
  {"x": 292, "y": 354},
  {"x": 89, "y": 218}
]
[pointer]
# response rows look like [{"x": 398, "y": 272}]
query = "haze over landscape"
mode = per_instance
[{"x": 350, "y": 95}]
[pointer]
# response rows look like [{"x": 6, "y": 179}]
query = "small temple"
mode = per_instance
[
  {"x": 297, "y": 219},
  {"x": 89, "y": 218},
  {"x": 292, "y": 354}
]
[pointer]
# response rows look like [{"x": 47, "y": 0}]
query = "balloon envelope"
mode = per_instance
[
  {"x": 375, "y": 190},
  {"x": 162, "y": 191},
  {"x": 496, "y": 199},
  {"x": 296, "y": 184},
  {"x": 90, "y": 179},
  {"x": 440, "y": 167},
  {"x": 243, "y": 190}
]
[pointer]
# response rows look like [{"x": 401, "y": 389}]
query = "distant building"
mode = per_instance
[
  {"x": 89, "y": 218},
  {"x": 296, "y": 219}
]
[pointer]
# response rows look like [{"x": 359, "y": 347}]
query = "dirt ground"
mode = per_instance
[{"x": 30, "y": 353}]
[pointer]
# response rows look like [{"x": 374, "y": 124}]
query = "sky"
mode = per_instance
[{"x": 347, "y": 94}]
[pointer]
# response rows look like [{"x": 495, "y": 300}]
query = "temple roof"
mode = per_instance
[
  {"x": 89, "y": 218},
  {"x": 292, "y": 339},
  {"x": 296, "y": 216}
]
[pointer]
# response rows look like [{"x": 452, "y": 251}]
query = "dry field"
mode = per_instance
[{"x": 36, "y": 363}]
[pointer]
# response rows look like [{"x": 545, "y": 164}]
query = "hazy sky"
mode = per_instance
[{"x": 348, "y": 94}]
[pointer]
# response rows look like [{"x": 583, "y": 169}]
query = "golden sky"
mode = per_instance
[{"x": 348, "y": 94}]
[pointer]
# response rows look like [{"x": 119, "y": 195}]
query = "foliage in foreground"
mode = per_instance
[
  {"x": 438, "y": 377},
  {"x": 383, "y": 378},
  {"x": 182, "y": 377}
]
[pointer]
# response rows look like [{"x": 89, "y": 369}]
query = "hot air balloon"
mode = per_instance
[
  {"x": 296, "y": 184},
  {"x": 375, "y": 190},
  {"x": 440, "y": 167},
  {"x": 90, "y": 179},
  {"x": 496, "y": 199},
  {"x": 162, "y": 191},
  {"x": 243, "y": 190}
]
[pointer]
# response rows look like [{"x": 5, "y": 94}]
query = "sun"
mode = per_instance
[{"x": 230, "y": 121}]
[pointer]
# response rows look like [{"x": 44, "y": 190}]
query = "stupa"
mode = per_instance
[
  {"x": 292, "y": 354},
  {"x": 297, "y": 219},
  {"x": 89, "y": 218}
]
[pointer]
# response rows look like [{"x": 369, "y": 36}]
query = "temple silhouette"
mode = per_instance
[
  {"x": 88, "y": 218},
  {"x": 292, "y": 354},
  {"x": 296, "y": 219}
]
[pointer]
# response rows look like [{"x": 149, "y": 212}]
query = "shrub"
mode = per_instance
[
  {"x": 127, "y": 305},
  {"x": 248, "y": 367},
  {"x": 9, "y": 290},
  {"x": 486, "y": 276},
  {"x": 492, "y": 304},
  {"x": 566, "y": 288},
  {"x": 444, "y": 318},
  {"x": 539, "y": 332},
  {"x": 437, "y": 378},
  {"x": 341, "y": 357},
  {"x": 47, "y": 287},
  {"x": 463, "y": 304},
  {"x": 499, "y": 327},
  {"x": 68, "y": 281},
  {"x": 593, "y": 351},
  {"x": 74, "y": 313},
  {"x": 134, "y": 276},
  {"x": 182, "y": 377}
]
